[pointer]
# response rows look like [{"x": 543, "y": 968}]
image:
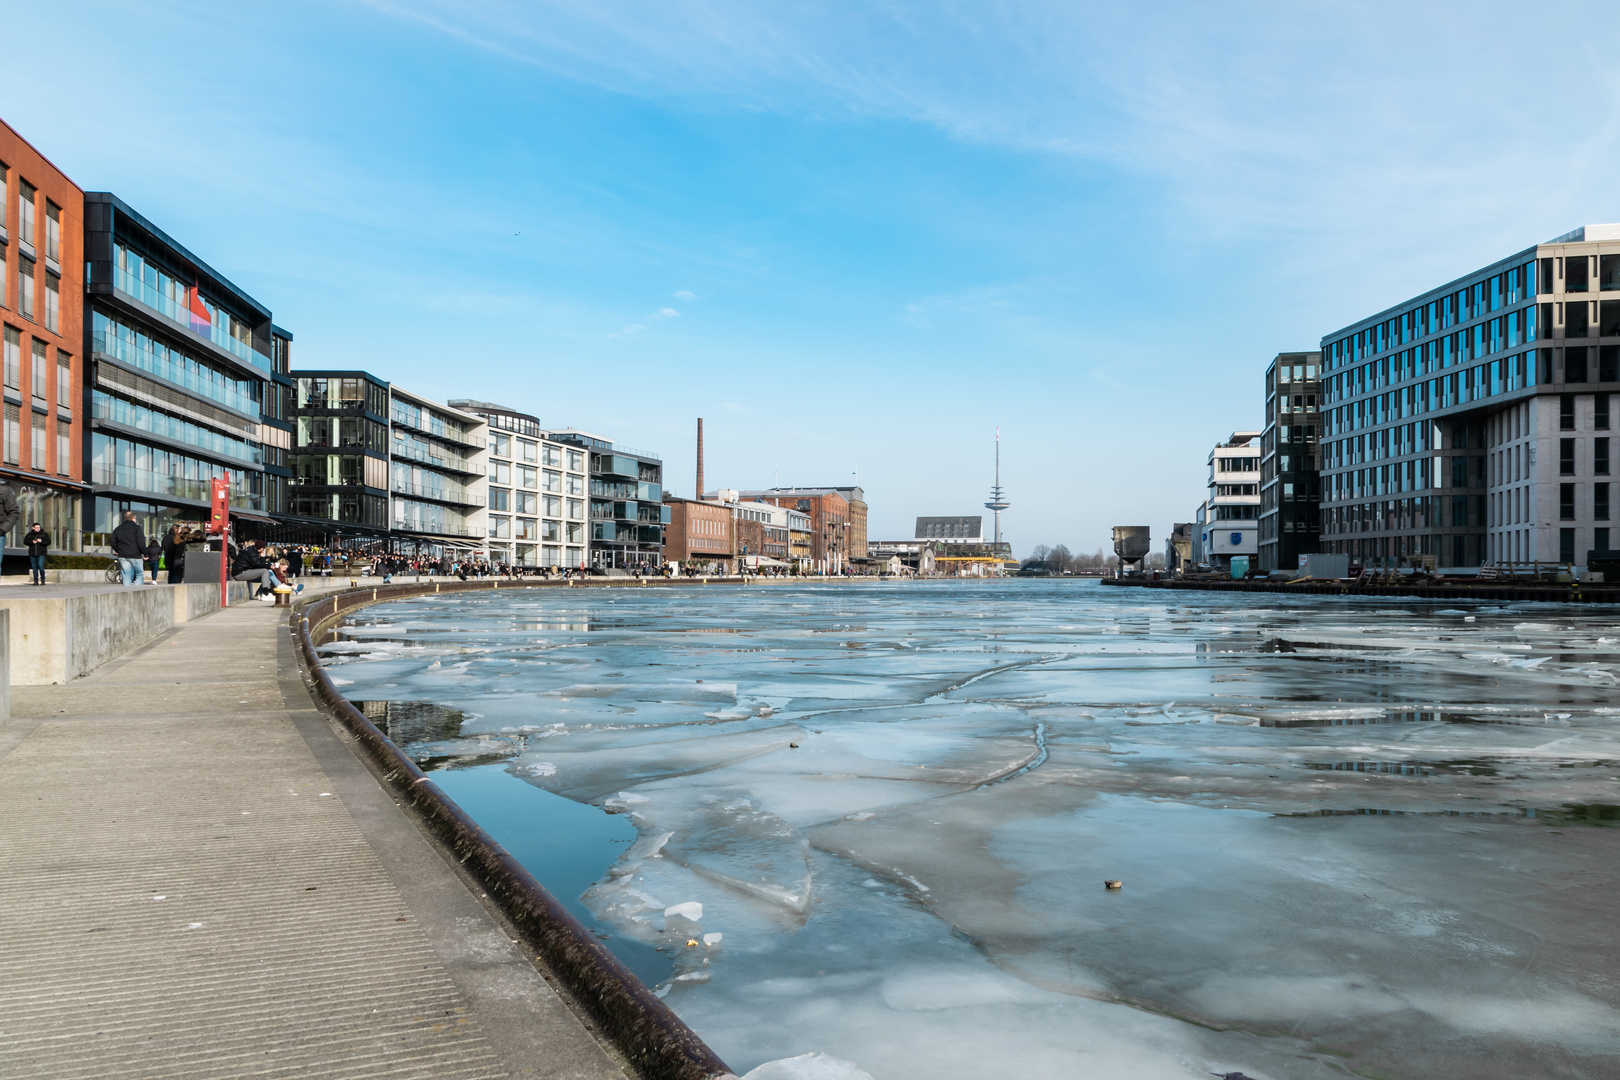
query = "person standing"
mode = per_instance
[
  {"x": 37, "y": 541},
  {"x": 174, "y": 555},
  {"x": 295, "y": 563},
  {"x": 129, "y": 548}
]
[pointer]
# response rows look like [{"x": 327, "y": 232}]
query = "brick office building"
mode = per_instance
[
  {"x": 42, "y": 323},
  {"x": 698, "y": 533},
  {"x": 830, "y": 549}
]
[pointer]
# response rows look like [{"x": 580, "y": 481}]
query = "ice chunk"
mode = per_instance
[
  {"x": 689, "y": 909},
  {"x": 809, "y": 1067},
  {"x": 712, "y": 939}
]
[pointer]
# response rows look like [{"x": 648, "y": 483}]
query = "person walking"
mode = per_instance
[
  {"x": 129, "y": 548},
  {"x": 37, "y": 541}
]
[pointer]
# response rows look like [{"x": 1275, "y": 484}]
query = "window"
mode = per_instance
[
  {"x": 1566, "y": 457},
  {"x": 13, "y": 436},
  {"x": 13, "y": 360},
  {"x": 1600, "y": 457},
  {"x": 1575, "y": 273},
  {"x": 37, "y": 382},
  {"x": 1566, "y": 502},
  {"x": 553, "y": 481},
  {"x": 53, "y": 232},
  {"x": 500, "y": 445},
  {"x": 576, "y": 461},
  {"x": 500, "y": 499},
  {"x": 25, "y": 216},
  {"x": 500, "y": 527},
  {"x": 553, "y": 506},
  {"x": 1600, "y": 412},
  {"x": 551, "y": 530},
  {"x": 1566, "y": 545},
  {"x": 1459, "y": 511},
  {"x": 1600, "y": 502},
  {"x": 5, "y": 200},
  {"x": 524, "y": 502},
  {"x": 576, "y": 532},
  {"x": 500, "y": 472},
  {"x": 526, "y": 450},
  {"x": 25, "y": 287},
  {"x": 64, "y": 446},
  {"x": 1575, "y": 364},
  {"x": 525, "y": 529},
  {"x": 1576, "y": 323},
  {"x": 576, "y": 484},
  {"x": 1566, "y": 412},
  {"x": 1600, "y": 539},
  {"x": 525, "y": 476},
  {"x": 1609, "y": 363}
]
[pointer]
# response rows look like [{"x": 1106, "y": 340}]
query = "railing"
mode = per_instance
[
  {"x": 133, "y": 479},
  {"x": 150, "y": 362},
  {"x": 437, "y": 460},
  {"x": 437, "y": 529},
  {"x": 128, "y": 284},
  {"x": 436, "y": 430},
  {"x": 425, "y": 491}
]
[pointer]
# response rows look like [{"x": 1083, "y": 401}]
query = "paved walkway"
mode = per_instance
[{"x": 199, "y": 879}]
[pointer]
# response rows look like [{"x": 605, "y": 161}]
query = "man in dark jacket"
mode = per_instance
[
  {"x": 249, "y": 565},
  {"x": 37, "y": 541},
  {"x": 129, "y": 547}
]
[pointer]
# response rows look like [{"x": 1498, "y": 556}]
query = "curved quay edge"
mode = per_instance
[{"x": 657, "y": 1044}]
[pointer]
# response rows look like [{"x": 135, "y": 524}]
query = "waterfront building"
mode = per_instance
[
  {"x": 1290, "y": 490},
  {"x": 42, "y": 453},
  {"x": 338, "y": 485},
  {"x": 951, "y": 530},
  {"x": 856, "y": 536},
  {"x": 1200, "y": 534},
  {"x": 1232, "y": 511},
  {"x": 278, "y": 427},
  {"x": 699, "y": 533},
  {"x": 1178, "y": 548},
  {"x": 960, "y": 549},
  {"x": 916, "y": 557},
  {"x": 761, "y": 531},
  {"x": 828, "y": 511},
  {"x": 180, "y": 366},
  {"x": 625, "y": 503},
  {"x": 374, "y": 463},
  {"x": 1471, "y": 423},
  {"x": 533, "y": 520}
]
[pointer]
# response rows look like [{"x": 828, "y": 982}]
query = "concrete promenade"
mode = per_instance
[{"x": 199, "y": 879}]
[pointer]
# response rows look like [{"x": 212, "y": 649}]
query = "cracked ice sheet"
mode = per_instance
[{"x": 1159, "y": 767}]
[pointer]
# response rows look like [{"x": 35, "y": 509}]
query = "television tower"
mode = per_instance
[{"x": 998, "y": 498}]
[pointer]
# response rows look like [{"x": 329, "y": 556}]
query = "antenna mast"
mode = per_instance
[{"x": 998, "y": 498}]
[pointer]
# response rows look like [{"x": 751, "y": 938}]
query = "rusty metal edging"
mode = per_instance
[{"x": 657, "y": 1043}]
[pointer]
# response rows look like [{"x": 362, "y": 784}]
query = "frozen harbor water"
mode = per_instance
[{"x": 1354, "y": 838}]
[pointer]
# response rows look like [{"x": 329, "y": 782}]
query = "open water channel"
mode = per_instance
[{"x": 1355, "y": 837}]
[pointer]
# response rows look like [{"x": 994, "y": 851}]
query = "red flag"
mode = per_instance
[{"x": 201, "y": 320}]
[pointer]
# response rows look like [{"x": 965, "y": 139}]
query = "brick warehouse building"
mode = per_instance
[
  {"x": 698, "y": 532},
  {"x": 42, "y": 312},
  {"x": 828, "y": 508}
]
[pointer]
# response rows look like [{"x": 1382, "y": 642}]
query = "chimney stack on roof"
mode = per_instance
[{"x": 700, "y": 459}]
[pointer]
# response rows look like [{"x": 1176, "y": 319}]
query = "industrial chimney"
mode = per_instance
[{"x": 700, "y": 459}]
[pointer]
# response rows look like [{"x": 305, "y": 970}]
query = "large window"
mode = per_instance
[
  {"x": 25, "y": 214},
  {"x": 1566, "y": 502},
  {"x": 36, "y": 456},
  {"x": 141, "y": 418},
  {"x": 143, "y": 352},
  {"x": 64, "y": 446},
  {"x": 1575, "y": 273},
  {"x": 124, "y": 463},
  {"x": 13, "y": 435},
  {"x": 53, "y": 231},
  {"x": 137, "y": 276},
  {"x": 41, "y": 365},
  {"x": 1576, "y": 322},
  {"x": 13, "y": 359},
  {"x": 25, "y": 287},
  {"x": 1600, "y": 502}
]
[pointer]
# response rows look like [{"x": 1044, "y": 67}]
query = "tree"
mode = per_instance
[{"x": 1059, "y": 559}]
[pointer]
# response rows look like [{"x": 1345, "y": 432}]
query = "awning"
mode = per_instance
[{"x": 761, "y": 560}]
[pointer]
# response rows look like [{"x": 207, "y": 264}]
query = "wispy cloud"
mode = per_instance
[{"x": 682, "y": 294}]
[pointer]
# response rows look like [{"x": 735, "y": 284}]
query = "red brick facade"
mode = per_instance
[
  {"x": 42, "y": 311},
  {"x": 698, "y": 532}
]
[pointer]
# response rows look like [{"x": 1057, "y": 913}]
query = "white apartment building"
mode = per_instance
[
  {"x": 537, "y": 501},
  {"x": 1230, "y": 516},
  {"x": 436, "y": 488}
]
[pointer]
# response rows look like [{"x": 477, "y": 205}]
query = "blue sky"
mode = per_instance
[{"x": 855, "y": 238}]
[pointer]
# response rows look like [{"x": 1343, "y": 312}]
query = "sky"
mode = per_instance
[{"x": 856, "y": 238}]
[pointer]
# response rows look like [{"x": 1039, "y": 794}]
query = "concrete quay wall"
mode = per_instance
[
  {"x": 55, "y": 639},
  {"x": 1493, "y": 591},
  {"x": 656, "y": 1043}
]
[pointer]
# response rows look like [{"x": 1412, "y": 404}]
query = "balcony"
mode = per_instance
[
  {"x": 434, "y": 493},
  {"x": 420, "y": 420},
  {"x": 182, "y": 317},
  {"x": 434, "y": 458}
]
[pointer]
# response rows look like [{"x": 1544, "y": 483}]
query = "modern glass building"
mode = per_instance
[
  {"x": 338, "y": 488},
  {"x": 1290, "y": 487},
  {"x": 1470, "y": 423},
  {"x": 1230, "y": 521},
  {"x": 181, "y": 365},
  {"x": 537, "y": 490},
  {"x": 626, "y": 506},
  {"x": 376, "y": 465}
]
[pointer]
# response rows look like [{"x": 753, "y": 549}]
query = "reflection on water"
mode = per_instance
[{"x": 1351, "y": 837}]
